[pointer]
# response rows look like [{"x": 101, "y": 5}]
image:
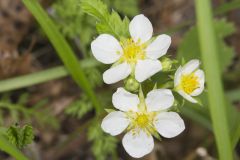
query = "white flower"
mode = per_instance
[
  {"x": 137, "y": 55},
  {"x": 189, "y": 80},
  {"x": 142, "y": 118}
]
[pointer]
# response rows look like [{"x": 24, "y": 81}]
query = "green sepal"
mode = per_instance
[
  {"x": 155, "y": 86},
  {"x": 183, "y": 61},
  {"x": 168, "y": 84},
  {"x": 109, "y": 110},
  {"x": 156, "y": 135},
  {"x": 199, "y": 101}
]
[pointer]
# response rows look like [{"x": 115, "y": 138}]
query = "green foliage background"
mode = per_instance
[{"x": 79, "y": 29}]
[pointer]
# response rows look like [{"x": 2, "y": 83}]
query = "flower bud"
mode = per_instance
[
  {"x": 166, "y": 64},
  {"x": 131, "y": 84}
]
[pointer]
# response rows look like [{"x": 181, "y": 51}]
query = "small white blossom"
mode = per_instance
[
  {"x": 142, "y": 118},
  {"x": 137, "y": 55},
  {"x": 189, "y": 80}
]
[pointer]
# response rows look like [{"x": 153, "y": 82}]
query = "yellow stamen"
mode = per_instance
[
  {"x": 133, "y": 51},
  {"x": 189, "y": 83},
  {"x": 142, "y": 120}
]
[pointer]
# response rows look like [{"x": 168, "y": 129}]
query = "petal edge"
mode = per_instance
[
  {"x": 138, "y": 145},
  {"x": 116, "y": 73},
  {"x": 105, "y": 49},
  {"x": 169, "y": 124},
  {"x": 140, "y": 28},
  {"x": 115, "y": 123}
]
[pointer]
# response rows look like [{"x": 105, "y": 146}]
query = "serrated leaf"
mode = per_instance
[
  {"x": 20, "y": 137},
  {"x": 13, "y": 134},
  {"x": 27, "y": 135},
  {"x": 189, "y": 48},
  {"x": 94, "y": 77},
  {"x": 129, "y": 7},
  {"x": 95, "y": 8},
  {"x": 79, "y": 107},
  {"x": 110, "y": 23},
  {"x": 103, "y": 144}
]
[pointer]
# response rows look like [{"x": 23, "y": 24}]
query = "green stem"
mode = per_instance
[
  {"x": 11, "y": 149},
  {"x": 207, "y": 39},
  {"x": 63, "y": 49},
  {"x": 41, "y": 76}
]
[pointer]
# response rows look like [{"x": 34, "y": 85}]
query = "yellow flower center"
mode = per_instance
[
  {"x": 142, "y": 120},
  {"x": 189, "y": 83},
  {"x": 132, "y": 51}
]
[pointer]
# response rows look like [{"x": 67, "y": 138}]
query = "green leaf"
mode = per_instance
[
  {"x": 110, "y": 23},
  {"x": 27, "y": 135},
  {"x": 129, "y": 7},
  {"x": 13, "y": 134},
  {"x": 95, "y": 8},
  {"x": 79, "y": 107},
  {"x": 227, "y": 6},
  {"x": 94, "y": 76},
  {"x": 20, "y": 137},
  {"x": 7, "y": 147},
  {"x": 74, "y": 23},
  {"x": 103, "y": 144},
  {"x": 233, "y": 116},
  {"x": 211, "y": 52},
  {"x": 189, "y": 48},
  {"x": 42, "y": 76}
]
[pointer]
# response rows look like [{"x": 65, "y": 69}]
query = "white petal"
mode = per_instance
[
  {"x": 169, "y": 124},
  {"x": 106, "y": 49},
  {"x": 200, "y": 74},
  {"x": 187, "y": 97},
  {"x": 177, "y": 76},
  {"x": 158, "y": 47},
  {"x": 190, "y": 66},
  {"x": 146, "y": 68},
  {"x": 125, "y": 101},
  {"x": 159, "y": 99},
  {"x": 115, "y": 123},
  {"x": 140, "y": 28},
  {"x": 116, "y": 73},
  {"x": 138, "y": 145}
]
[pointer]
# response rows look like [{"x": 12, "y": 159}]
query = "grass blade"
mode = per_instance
[
  {"x": 216, "y": 97},
  {"x": 63, "y": 49},
  {"x": 40, "y": 77},
  {"x": 236, "y": 137},
  {"x": 11, "y": 149}
]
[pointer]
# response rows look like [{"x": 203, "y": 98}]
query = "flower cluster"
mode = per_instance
[{"x": 136, "y": 58}]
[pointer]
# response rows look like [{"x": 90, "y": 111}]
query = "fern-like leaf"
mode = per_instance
[
  {"x": 79, "y": 107},
  {"x": 110, "y": 23},
  {"x": 27, "y": 135},
  {"x": 103, "y": 145},
  {"x": 20, "y": 137}
]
